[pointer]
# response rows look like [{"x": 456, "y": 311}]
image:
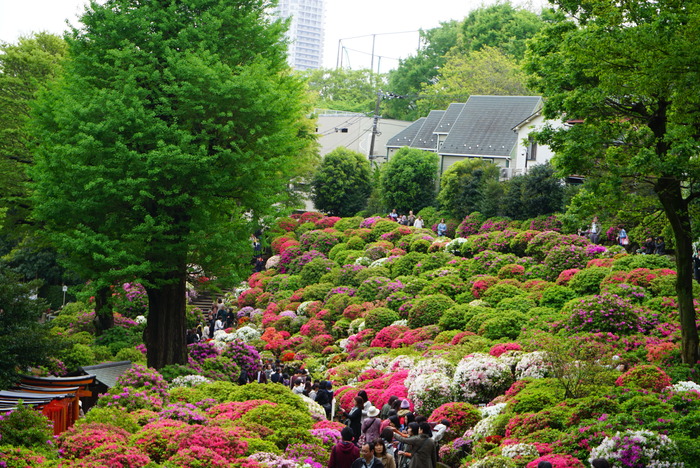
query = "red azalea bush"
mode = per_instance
[
  {"x": 248, "y": 297},
  {"x": 313, "y": 327},
  {"x": 600, "y": 262},
  {"x": 462, "y": 416},
  {"x": 224, "y": 442},
  {"x": 287, "y": 224},
  {"x": 116, "y": 455},
  {"x": 641, "y": 277},
  {"x": 481, "y": 283},
  {"x": 160, "y": 439},
  {"x": 77, "y": 442},
  {"x": 501, "y": 348},
  {"x": 411, "y": 337},
  {"x": 387, "y": 335},
  {"x": 327, "y": 222},
  {"x": 325, "y": 424},
  {"x": 236, "y": 409},
  {"x": 645, "y": 376},
  {"x": 199, "y": 457}
]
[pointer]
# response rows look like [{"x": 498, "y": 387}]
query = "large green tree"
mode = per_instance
[
  {"x": 463, "y": 186},
  {"x": 175, "y": 123},
  {"x": 539, "y": 192},
  {"x": 417, "y": 70},
  {"x": 25, "y": 67},
  {"x": 342, "y": 184},
  {"x": 344, "y": 89},
  {"x": 487, "y": 71},
  {"x": 628, "y": 73},
  {"x": 408, "y": 180}
]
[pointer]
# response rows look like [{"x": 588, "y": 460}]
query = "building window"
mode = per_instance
[{"x": 532, "y": 150}]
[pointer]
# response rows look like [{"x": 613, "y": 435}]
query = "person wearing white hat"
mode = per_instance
[{"x": 371, "y": 426}]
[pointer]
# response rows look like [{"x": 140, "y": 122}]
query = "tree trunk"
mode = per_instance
[
  {"x": 165, "y": 334},
  {"x": 676, "y": 209},
  {"x": 104, "y": 318}
]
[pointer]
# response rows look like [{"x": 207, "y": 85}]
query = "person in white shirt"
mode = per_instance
[{"x": 418, "y": 222}]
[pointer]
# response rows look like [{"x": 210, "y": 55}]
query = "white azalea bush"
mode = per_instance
[
  {"x": 638, "y": 448},
  {"x": 523, "y": 452},
  {"x": 685, "y": 386},
  {"x": 533, "y": 365},
  {"x": 480, "y": 377},
  {"x": 246, "y": 334},
  {"x": 430, "y": 366},
  {"x": 430, "y": 390},
  {"x": 484, "y": 428},
  {"x": 455, "y": 246},
  {"x": 402, "y": 362},
  {"x": 380, "y": 363},
  {"x": 189, "y": 381}
]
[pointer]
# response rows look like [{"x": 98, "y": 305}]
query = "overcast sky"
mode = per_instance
[{"x": 345, "y": 19}]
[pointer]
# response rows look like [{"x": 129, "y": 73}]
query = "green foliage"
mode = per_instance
[
  {"x": 462, "y": 184},
  {"x": 631, "y": 262},
  {"x": 587, "y": 281},
  {"x": 166, "y": 156},
  {"x": 24, "y": 342},
  {"x": 25, "y": 427},
  {"x": 537, "y": 395},
  {"x": 539, "y": 192},
  {"x": 556, "y": 296},
  {"x": 500, "y": 291},
  {"x": 112, "y": 416},
  {"x": 380, "y": 317},
  {"x": 403, "y": 266},
  {"x": 348, "y": 223},
  {"x": 286, "y": 421},
  {"x": 315, "y": 269},
  {"x": 341, "y": 184},
  {"x": 343, "y": 89},
  {"x": 317, "y": 292},
  {"x": 408, "y": 180},
  {"x": 428, "y": 310},
  {"x": 501, "y": 25}
]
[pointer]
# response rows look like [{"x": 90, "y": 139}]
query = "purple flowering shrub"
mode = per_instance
[
  {"x": 320, "y": 240},
  {"x": 130, "y": 300},
  {"x": 605, "y": 313},
  {"x": 565, "y": 256},
  {"x": 470, "y": 225},
  {"x": 145, "y": 378},
  {"x": 244, "y": 355}
]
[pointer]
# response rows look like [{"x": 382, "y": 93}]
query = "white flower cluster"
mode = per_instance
[
  {"x": 379, "y": 262},
  {"x": 525, "y": 451},
  {"x": 364, "y": 261},
  {"x": 343, "y": 344},
  {"x": 480, "y": 377},
  {"x": 455, "y": 245},
  {"x": 141, "y": 320},
  {"x": 685, "y": 386},
  {"x": 402, "y": 362},
  {"x": 533, "y": 365},
  {"x": 402, "y": 322},
  {"x": 222, "y": 336},
  {"x": 430, "y": 366},
  {"x": 246, "y": 333},
  {"x": 303, "y": 308},
  {"x": 272, "y": 262},
  {"x": 650, "y": 448},
  {"x": 493, "y": 410},
  {"x": 493, "y": 462},
  {"x": 189, "y": 381},
  {"x": 380, "y": 363},
  {"x": 484, "y": 428},
  {"x": 237, "y": 292},
  {"x": 430, "y": 390},
  {"x": 356, "y": 326}
]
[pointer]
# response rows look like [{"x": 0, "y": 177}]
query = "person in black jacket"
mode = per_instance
[{"x": 324, "y": 398}]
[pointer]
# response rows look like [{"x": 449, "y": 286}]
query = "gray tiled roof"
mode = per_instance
[
  {"x": 405, "y": 137},
  {"x": 485, "y": 125},
  {"x": 108, "y": 372},
  {"x": 426, "y": 139},
  {"x": 448, "y": 120}
]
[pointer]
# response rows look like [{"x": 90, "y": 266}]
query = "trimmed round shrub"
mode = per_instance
[
  {"x": 565, "y": 257},
  {"x": 316, "y": 292},
  {"x": 604, "y": 313},
  {"x": 356, "y": 243},
  {"x": 403, "y": 266},
  {"x": 500, "y": 291},
  {"x": 348, "y": 223},
  {"x": 556, "y": 296},
  {"x": 315, "y": 269},
  {"x": 518, "y": 303},
  {"x": 428, "y": 310},
  {"x": 540, "y": 245},
  {"x": 479, "y": 378},
  {"x": 380, "y": 317},
  {"x": 638, "y": 448},
  {"x": 646, "y": 377},
  {"x": 369, "y": 289},
  {"x": 462, "y": 416},
  {"x": 503, "y": 324},
  {"x": 587, "y": 281}
]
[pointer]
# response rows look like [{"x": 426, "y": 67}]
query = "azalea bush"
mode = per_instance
[{"x": 480, "y": 377}]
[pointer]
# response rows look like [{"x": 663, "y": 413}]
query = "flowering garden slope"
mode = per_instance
[{"x": 536, "y": 346}]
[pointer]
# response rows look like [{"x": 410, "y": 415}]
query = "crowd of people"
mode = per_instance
[{"x": 408, "y": 220}]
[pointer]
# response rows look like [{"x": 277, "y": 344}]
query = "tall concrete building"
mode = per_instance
[{"x": 305, "y": 32}]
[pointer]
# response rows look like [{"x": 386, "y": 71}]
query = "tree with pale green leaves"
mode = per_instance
[
  {"x": 344, "y": 89},
  {"x": 174, "y": 125},
  {"x": 342, "y": 184},
  {"x": 628, "y": 76},
  {"x": 463, "y": 186}
]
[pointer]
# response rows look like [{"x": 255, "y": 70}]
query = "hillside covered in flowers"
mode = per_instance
[{"x": 535, "y": 345}]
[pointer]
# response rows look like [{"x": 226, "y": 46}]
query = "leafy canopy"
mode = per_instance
[
  {"x": 408, "y": 180},
  {"x": 342, "y": 183}
]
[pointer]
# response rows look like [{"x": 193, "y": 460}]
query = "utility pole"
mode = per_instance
[{"x": 375, "y": 122}]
